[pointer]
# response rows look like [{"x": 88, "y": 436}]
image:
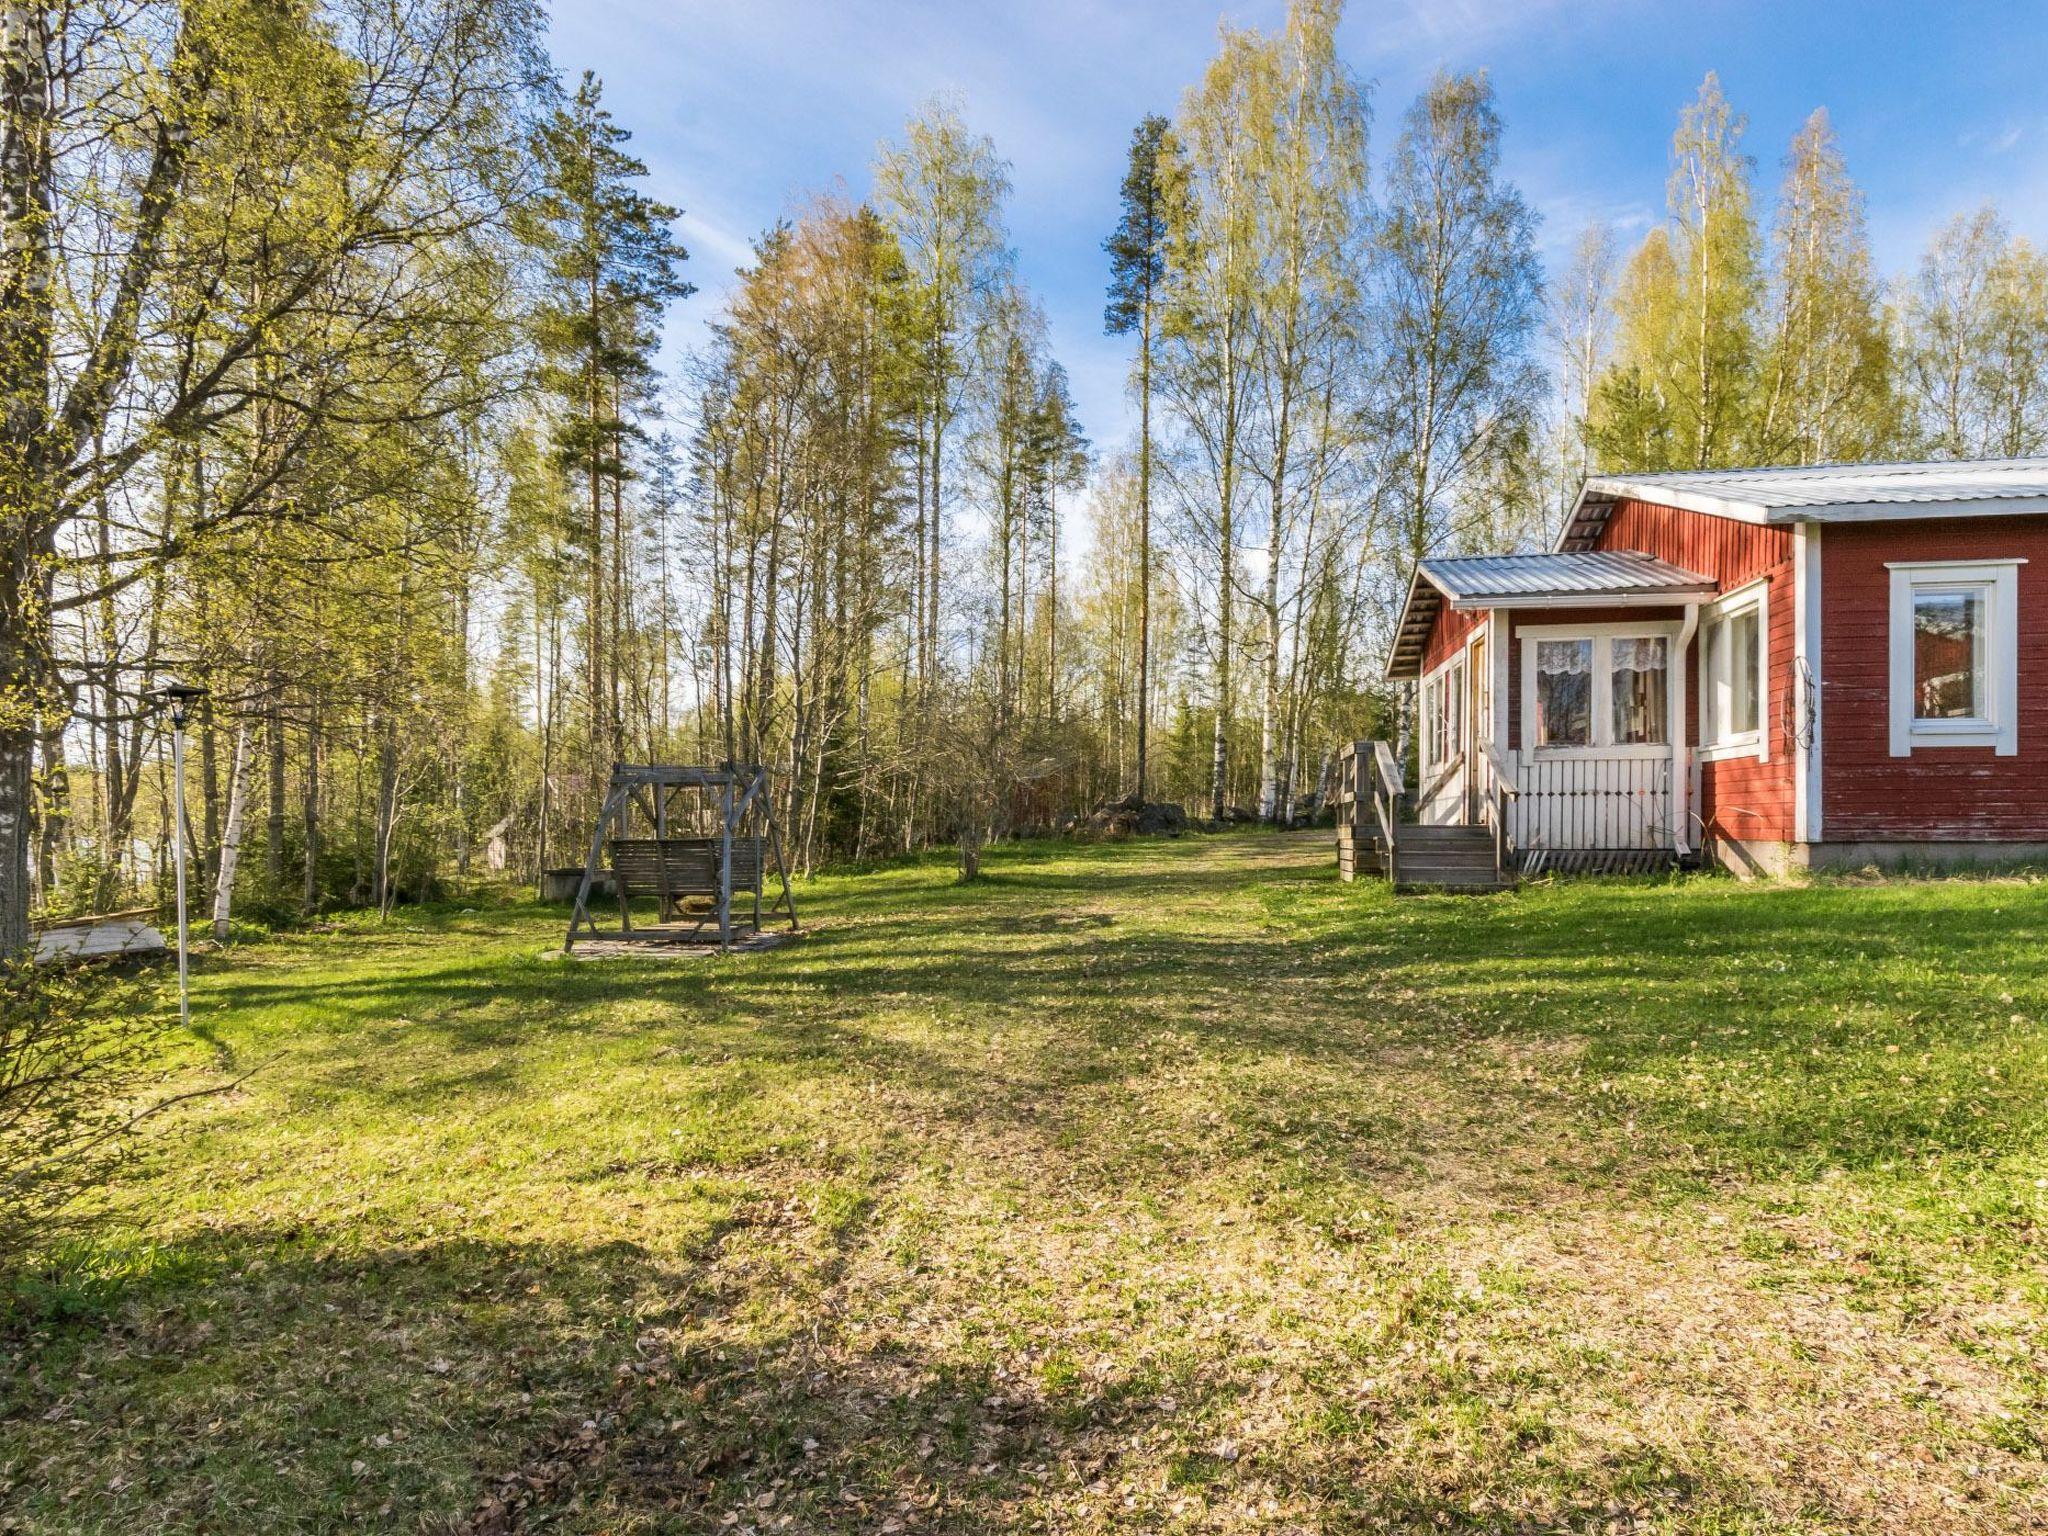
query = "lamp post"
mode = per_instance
[{"x": 180, "y": 697}]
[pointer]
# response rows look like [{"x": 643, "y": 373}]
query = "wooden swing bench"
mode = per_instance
[
  {"x": 693, "y": 880},
  {"x": 679, "y": 870}
]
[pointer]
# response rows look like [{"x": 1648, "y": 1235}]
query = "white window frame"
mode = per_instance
[
  {"x": 1998, "y": 582},
  {"x": 1756, "y": 743},
  {"x": 1438, "y": 684},
  {"x": 1603, "y": 636}
]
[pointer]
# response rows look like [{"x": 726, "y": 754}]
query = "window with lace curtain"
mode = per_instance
[
  {"x": 1608, "y": 689},
  {"x": 1564, "y": 693},
  {"x": 1639, "y": 690}
]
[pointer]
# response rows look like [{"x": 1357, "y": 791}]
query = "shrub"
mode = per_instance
[{"x": 76, "y": 1049}]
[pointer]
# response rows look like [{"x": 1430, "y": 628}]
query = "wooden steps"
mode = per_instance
[{"x": 1447, "y": 859}]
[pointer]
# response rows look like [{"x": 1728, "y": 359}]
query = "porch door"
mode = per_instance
[{"x": 1478, "y": 706}]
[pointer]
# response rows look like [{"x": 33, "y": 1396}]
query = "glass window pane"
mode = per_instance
[
  {"x": 1730, "y": 653},
  {"x": 1948, "y": 655},
  {"x": 1454, "y": 712},
  {"x": 1564, "y": 693},
  {"x": 1744, "y": 708},
  {"x": 1640, "y": 691},
  {"x": 1714, "y": 701}
]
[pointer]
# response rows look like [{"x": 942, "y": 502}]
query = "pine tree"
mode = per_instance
[
  {"x": 612, "y": 263},
  {"x": 1137, "y": 276}
]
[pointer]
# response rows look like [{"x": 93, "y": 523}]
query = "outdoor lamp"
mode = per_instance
[{"x": 180, "y": 697}]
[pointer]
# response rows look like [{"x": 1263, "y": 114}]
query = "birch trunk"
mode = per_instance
[{"x": 231, "y": 834}]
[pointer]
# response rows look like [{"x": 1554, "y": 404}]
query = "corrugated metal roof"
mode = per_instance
[
  {"x": 1823, "y": 493},
  {"x": 1594, "y": 573},
  {"x": 1510, "y": 581},
  {"x": 1854, "y": 485}
]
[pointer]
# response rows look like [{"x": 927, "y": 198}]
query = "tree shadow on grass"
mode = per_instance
[
  {"x": 286, "y": 1380},
  {"x": 1645, "y": 979},
  {"x": 652, "y": 1384}
]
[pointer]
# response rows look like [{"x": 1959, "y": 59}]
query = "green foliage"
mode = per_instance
[
  {"x": 1460, "y": 290},
  {"x": 1137, "y": 247},
  {"x": 1683, "y": 384},
  {"x": 1826, "y": 382},
  {"x": 75, "y": 1048}
]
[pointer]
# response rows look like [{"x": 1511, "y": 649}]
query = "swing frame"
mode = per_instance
[{"x": 676, "y": 869}]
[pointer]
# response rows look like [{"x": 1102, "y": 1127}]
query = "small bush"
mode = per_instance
[{"x": 76, "y": 1048}]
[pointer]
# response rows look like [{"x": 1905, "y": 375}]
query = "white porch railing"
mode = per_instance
[{"x": 1592, "y": 800}]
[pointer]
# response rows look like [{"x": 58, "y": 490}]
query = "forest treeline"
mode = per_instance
[{"x": 330, "y": 333}]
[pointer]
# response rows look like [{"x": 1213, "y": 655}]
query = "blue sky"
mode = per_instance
[{"x": 741, "y": 107}]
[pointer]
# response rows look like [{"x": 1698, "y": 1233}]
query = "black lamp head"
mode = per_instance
[{"x": 180, "y": 696}]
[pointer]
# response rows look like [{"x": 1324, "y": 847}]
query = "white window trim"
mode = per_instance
[
  {"x": 1756, "y": 743},
  {"x": 2000, "y": 728},
  {"x": 1526, "y": 636},
  {"x": 1439, "y": 678}
]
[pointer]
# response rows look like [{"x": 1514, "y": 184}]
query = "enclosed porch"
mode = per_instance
[{"x": 1550, "y": 712}]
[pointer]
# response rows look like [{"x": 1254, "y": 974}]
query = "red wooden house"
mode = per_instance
[{"x": 1776, "y": 668}]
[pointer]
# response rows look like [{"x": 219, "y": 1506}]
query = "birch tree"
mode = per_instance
[
  {"x": 1457, "y": 295},
  {"x": 1578, "y": 323},
  {"x": 941, "y": 192},
  {"x": 1209, "y": 345},
  {"x": 2011, "y": 367},
  {"x": 1309, "y": 321},
  {"x": 1825, "y": 393},
  {"x": 141, "y": 303},
  {"x": 1944, "y": 318},
  {"x": 1681, "y": 393}
]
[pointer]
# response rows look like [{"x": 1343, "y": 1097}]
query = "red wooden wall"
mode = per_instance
[
  {"x": 1959, "y": 793},
  {"x": 1449, "y": 634}
]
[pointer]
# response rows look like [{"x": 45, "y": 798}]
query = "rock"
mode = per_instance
[
  {"x": 1162, "y": 818},
  {"x": 1133, "y": 816}
]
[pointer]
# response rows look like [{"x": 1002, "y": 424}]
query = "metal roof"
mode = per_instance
[
  {"x": 1533, "y": 581},
  {"x": 1560, "y": 575},
  {"x": 1822, "y": 493}
]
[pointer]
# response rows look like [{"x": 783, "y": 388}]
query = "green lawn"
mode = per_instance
[{"x": 1166, "y": 1187}]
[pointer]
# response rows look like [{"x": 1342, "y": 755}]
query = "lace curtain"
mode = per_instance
[{"x": 1641, "y": 690}]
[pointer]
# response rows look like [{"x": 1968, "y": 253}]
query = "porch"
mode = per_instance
[
  {"x": 1551, "y": 716},
  {"x": 1488, "y": 819}
]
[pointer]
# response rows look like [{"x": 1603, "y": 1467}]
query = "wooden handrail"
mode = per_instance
[
  {"x": 1389, "y": 767},
  {"x": 1500, "y": 789},
  {"x": 1448, "y": 771},
  {"x": 1502, "y": 774}
]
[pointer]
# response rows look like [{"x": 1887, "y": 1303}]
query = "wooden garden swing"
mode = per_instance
[{"x": 694, "y": 877}]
